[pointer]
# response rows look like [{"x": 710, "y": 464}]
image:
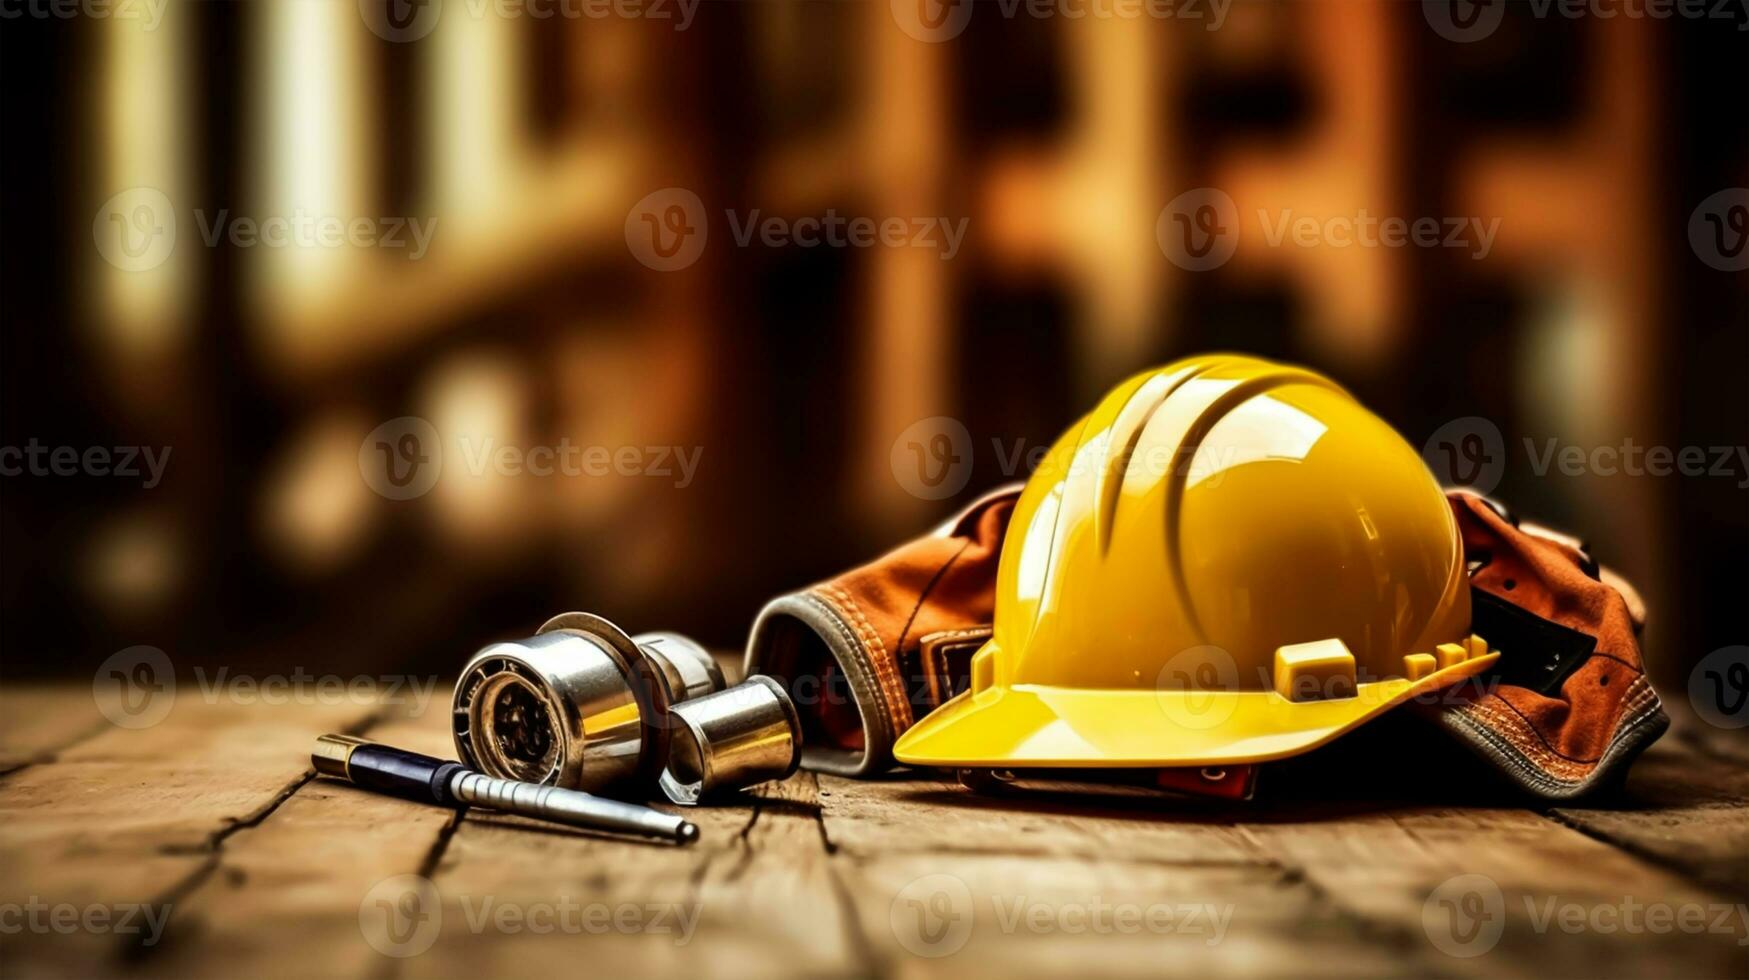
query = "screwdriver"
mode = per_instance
[{"x": 412, "y": 776}]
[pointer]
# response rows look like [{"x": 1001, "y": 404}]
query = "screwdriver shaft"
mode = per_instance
[{"x": 568, "y": 806}]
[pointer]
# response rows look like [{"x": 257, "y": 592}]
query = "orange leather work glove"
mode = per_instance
[
  {"x": 1573, "y": 706},
  {"x": 868, "y": 653}
]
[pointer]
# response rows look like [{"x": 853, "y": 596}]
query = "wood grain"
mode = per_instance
[
  {"x": 754, "y": 898},
  {"x": 130, "y": 818},
  {"x": 271, "y": 872},
  {"x": 38, "y": 720},
  {"x": 305, "y": 871},
  {"x": 1681, "y": 808}
]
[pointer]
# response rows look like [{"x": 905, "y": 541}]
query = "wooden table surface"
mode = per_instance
[{"x": 203, "y": 845}]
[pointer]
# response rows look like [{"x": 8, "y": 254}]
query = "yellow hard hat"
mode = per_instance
[{"x": 1228, "y": 561}]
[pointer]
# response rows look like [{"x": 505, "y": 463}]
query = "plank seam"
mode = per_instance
[
  {"x": 212, "y": 851},
  {"x": 854, "y": 936},
  {"x": 172, "y": 898},
  {"x": 1639, "y": 853},
  {"x": 53, "y": 753},
  {"x": 1364, "y": 927}
]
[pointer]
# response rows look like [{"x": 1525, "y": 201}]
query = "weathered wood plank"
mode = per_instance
[
  {"x": 124, "y": 819},
  {"x": 271, "y": 874},
  {"x": 1509, "y": 871},
  {"x": 307, "y": 871},
  {"x": 1363, "y": 877},
  {"x": 777, "y": 909},
  {"x": 927, "y": 914},
  {"x": 1681, "y": 808},
  {"x": 944, "y": 880},
  {"x": 927, "y": 813},
  {"x": 754, "y": 898},
  {"x": 38, "y": 720}
]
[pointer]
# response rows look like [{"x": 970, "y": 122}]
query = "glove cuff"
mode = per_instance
[
  {"x": 810, "y": 646},
  {"x": 864, "y": 655}
]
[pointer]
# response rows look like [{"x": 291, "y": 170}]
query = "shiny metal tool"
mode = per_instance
[
  {"x": 412, "y": 776},
  {"x": 730, "y": 740},
  {"x": 580, "y": 704}
]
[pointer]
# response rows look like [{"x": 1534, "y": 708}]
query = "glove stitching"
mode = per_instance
[
  {"x": 885, "y": 668},
  {"x": 1515, "y": 764},
  {"x": 1640, "y": 695},
  {"x": 852, "y": 645},
  {"x": 1502, "y": 750}
]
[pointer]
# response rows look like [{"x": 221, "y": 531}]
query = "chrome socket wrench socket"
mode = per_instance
[
  {"x": 731, "y": 740},
  {"x": 579, "y": 705}
]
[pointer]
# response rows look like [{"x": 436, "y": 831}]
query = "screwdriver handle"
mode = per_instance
[{"x": 385, "y": 769}]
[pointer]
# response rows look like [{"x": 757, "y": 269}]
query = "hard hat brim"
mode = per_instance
[{"x": 1039, "y": 726}]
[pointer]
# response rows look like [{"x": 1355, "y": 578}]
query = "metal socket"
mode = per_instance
[
  {"x": 580, "y": 704},
  {"x": 730, "y": 740}
]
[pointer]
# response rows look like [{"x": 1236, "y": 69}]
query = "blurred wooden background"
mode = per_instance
[{"x": 794, "y": 370}]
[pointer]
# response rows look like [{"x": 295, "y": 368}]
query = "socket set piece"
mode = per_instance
[
  {"x": 731, "y": 740},
  {"x": 579, "y": 705}
]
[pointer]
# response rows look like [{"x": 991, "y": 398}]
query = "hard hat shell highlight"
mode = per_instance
[{"x": 1202, "y": 518}]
